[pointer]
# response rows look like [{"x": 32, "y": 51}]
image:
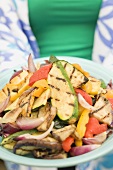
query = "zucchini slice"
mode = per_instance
[
  {"x": 62, "y": 79},
  {"x": 42, "y": 100}
]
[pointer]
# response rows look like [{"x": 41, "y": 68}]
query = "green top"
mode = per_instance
[{"x": 64, "y": 27}]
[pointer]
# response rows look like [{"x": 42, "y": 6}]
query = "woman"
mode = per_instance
[{"x": 68, "y": 28}]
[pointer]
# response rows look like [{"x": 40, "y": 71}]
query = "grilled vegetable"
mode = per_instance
[
  {"x": 42, "y": 73},
  {"x": 17, "y": 85},
  {"x": 26, "y": 105},
  {"x": 85, "y": 95},
  {"x": 63, "y": 133},
  {"x": 66, "y": 144},
  {"x": 103, "y": 110},
  {"x": 42, "y": 100},
  {"x": 11, "y": 116},
  {"x": 8, "y": 128},
  {"x": 10, "y": 145},
  {"x": 81, "y": 125},
  {"x": 93, "y": 127},
  {"x": 96, "y": 84},
  {"x": 14, "y": 135},
  {"x": 12, "y": 105},
  {"x": 61, "y": 79},
  {"x": 103, "y": 84},
  {"x": 22, "y": 152},
  {"x": 4, "y": 104},
  {"x": 47, "y": 144},
  {"x": 48, "y": 155},
  {"x": 97, "y": 139},
  {"x": 49, "y": 117},
  {"x": 79, "y": 150},
  {"x": 37, "y": 135},
  {"x": 27, "y": 123}
]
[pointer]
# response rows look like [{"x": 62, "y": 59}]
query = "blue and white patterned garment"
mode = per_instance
[
  {"x": 103, "y": 40},
  {"x": 17, "y": 41},
  {"x": 16, "y": 37}
]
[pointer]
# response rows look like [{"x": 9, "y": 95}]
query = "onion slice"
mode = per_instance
[
  {"x": 24, "y": 68},
  {"x": 31, "y": 65},
  {"x": 84, "y": 104},
  {"x": 38, "y": 137},
  {"x": 97, "y": 139},
  {"x": 11, "y": 116},
  {"x": 4, "y": 104},
  {"x": 15, "y": 74},
  {"x": 9, "y": 128},
  {"x": 79, "y": 150},
  {"x": 26, "y": 123}
]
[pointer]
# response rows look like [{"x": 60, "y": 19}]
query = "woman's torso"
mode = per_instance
[{"x": 64, "y": 27}]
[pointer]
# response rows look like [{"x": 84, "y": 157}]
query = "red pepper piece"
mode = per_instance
[
  {"x": 111, "y": 101},
  {"x": 85, "y": 95},
  {"x": 93, "y": 127},
  {"x": 66, "y": 144},
  {"x": 42, "y": 73}
]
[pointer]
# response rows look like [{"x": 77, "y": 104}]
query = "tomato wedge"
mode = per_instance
[
  {"x": 85, "y": 95},
  {"x": 42, "y": 73}
]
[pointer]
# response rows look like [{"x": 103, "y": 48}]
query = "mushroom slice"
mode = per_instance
[
  {"x": 49, "y": 144},
  {"x": 63, "y": 133}
]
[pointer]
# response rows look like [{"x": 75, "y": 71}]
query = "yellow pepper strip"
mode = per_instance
[
  {"x": 78, "y": 142},
  {"x": 78, "y": 67},
  {"x": 87, "y": 87},
  {"x": 41, "y": 83},
  {"x": 109, "y": 94},
  {"x": 38, "y": 92},
  {"x": 80, "y": 109},
  {"x": 81, "y": 126},
  {"x": 96, "y": 85}
]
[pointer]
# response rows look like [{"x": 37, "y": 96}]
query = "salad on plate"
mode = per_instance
[{"x": 55, "y": 110}]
